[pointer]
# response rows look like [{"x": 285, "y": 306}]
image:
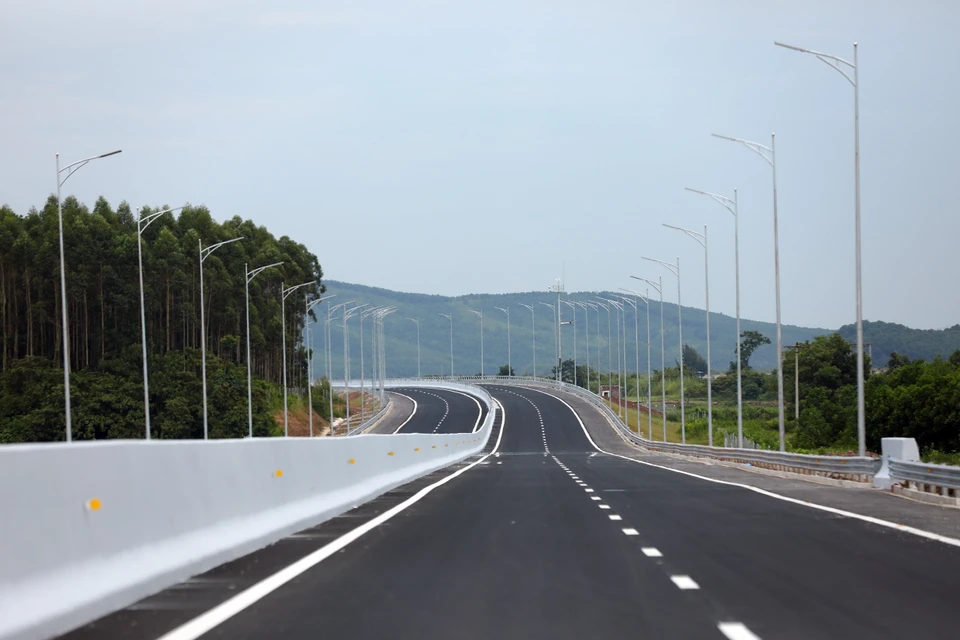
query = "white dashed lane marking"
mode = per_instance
[
  {"x": 737, "y": 631},
  {"x": 651, "y": 552},
  {"x": 631, "y": 532},
  {"x": 684, "y": 582},
  {"x": 616, "y": 518}
]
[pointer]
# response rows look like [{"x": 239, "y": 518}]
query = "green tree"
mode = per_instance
[
  {"x": 506, "y": 370},
  {"x": 749, "y": 342},
  {"x": 693, "y": 360}
]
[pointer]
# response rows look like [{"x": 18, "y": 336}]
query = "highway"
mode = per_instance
[{"x": 545, "y": 536}]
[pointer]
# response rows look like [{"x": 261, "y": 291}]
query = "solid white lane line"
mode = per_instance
[
  {"x": 604, "y": 506},
  {"x": 631, "y": 532},
  {"x": 410, "y": 417},
  {"x": 614, "y": 517},
  {"x": 651, "y": 552},
  {"x": 737, "y": 631},
  {"x": 212, "y": 618},
  {"x": 955, "y": 542},
  {"x": 684, "y": 582}
]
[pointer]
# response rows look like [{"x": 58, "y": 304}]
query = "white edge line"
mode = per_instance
[
  {"x": 840, "y": 512},
  {"x": 224, "y": 611},
  {"x": 410, "y": 417}
]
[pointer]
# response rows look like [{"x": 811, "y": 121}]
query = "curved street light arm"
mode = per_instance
[
  {"x": 833, "y": 62},
  {"x": 756, "y": 147},
  {"x": 673, "y": 268},
  {"x": 289, "y": 290},
  {"x": 144, "y": 222},
  {"x": 656, "y": 286},
  {"x": 79, "y": 164},
  {"x": 205, "y": 253},
  {"x": 699, "y": 237},
  {"x": 725, "y": 201},
  {"x": 642, "y": 296},
  {"x": 253, "y": 274}
]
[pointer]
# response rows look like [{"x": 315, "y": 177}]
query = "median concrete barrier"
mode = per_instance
[{"x": 91, "y": 527}]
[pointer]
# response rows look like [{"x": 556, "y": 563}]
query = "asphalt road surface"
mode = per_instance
[
  {"x": 546, "y": 537},
  {"x": 441, "y": 411}
]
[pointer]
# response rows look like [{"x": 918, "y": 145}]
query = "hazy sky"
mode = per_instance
[{"x": 455, "y": 147}]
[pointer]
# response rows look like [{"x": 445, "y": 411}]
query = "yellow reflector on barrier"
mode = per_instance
[
  {"x": 94, "y": 504},
  {"x": 278, "y": 473},
  {"x": 351, "y": 460}
]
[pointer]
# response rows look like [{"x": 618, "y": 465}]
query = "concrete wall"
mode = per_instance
[{"x": 90, "y": 527}]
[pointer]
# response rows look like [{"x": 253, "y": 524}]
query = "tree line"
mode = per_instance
[{"x": 103, "y": 301}]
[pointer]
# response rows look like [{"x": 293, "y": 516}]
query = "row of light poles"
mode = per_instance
[{"x": 850, "y": 71}]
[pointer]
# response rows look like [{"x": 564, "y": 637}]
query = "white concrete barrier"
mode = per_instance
[{"x": 90, "y": 527}]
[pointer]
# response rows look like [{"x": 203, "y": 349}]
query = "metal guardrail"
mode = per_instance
[
  {"x": 837, "y": 467},
  {"x": 930, "y": 478}
]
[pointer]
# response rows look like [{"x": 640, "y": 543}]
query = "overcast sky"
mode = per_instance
[{"x": 455, "y": 147}]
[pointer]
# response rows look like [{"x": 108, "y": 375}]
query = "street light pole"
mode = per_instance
[
  {"x": 731, "y": 206},
  {"x": 204, "y": 254},
  {"x": 509, "y": 365},
  {"x": 701, "y": 238},
  {"x": 533, "y": 322},
  {"x": 769, "y": 154},
  {"x": 70, "y": 169},
  {"x": 142, "y": 223},
  {"x": 646, "y": 300},
  {"x": 658, "y": 287},
  {"x": 329, "y": 346},
  {"x": 619, "y": 311},
  {"x": 675, "y": 270},
  {"x": 450, "y": 318},
  {"x": 250, "y": 275},
  {"x": 417, "y": 322},
  {"x": 609, "y": 341},
  {"x": 347, "y": 314},
  {"x": 573, "y": 307},
  {"x": 286, "y": 291},
  {"x": 636, "y": 343},
  {"x": 835, "y": 63},
  {"x": 480, "y": 314},
  {"x": 556, "y": 333},
  {"x": 309, "y": 353}
]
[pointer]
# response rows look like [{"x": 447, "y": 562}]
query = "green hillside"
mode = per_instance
[{"x": 401, "y": 335}]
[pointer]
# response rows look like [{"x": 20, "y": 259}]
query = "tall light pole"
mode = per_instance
[
  {"x": 586, "y": 306},
  {"x": 417, "y": 322},
  {"x": 204, "y": 254},
  {"x": 533, "y": 322},
  {"x": 606, "y": 308},
  {"x": 769, "y": 154},
  {"x": 731, "y": 206},
  {"x": 701, "y": 238},
  {"x": 675, "y": 270},
  {"x": 636, "y": 342},
  {"x": 329, "y": 345},
  {"x": 557, "y": 288},
  {"x": 309, "y": 351},
  {"x": 142, "y": 223},
  {"x": 509, "y": 365},
  {"x": 646, "y": 300},
  {"x": 450, "y": 318},
  {"x": 480, "y": 315},
  {"x": 70, "y": 169},
  {"x": 250, "y": 275},
  {"x": 364, "y": 314},
  {"x": 285, "y": 292},
  {"x": 835, "y": 63},
  {"x": 347, "y": 314},
  {"x": 573, "y": 307},
  {"x": 556, "y": 334},
  {"x": 658, "y": 287},
  {"x": 619, "y": 311}
]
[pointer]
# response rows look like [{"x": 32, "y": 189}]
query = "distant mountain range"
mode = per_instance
[{"x": 401, "y": 333}]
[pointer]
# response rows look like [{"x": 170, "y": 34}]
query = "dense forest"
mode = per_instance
[{"x": 104, "y": 320}]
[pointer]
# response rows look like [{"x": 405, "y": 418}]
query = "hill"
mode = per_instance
[{"x": 401, "y": 334}]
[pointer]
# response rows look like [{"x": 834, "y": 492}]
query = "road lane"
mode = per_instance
[{"x": 442, "y": 411}]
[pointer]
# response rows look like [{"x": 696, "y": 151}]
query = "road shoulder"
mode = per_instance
[{"x": 864, "y": 500}]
